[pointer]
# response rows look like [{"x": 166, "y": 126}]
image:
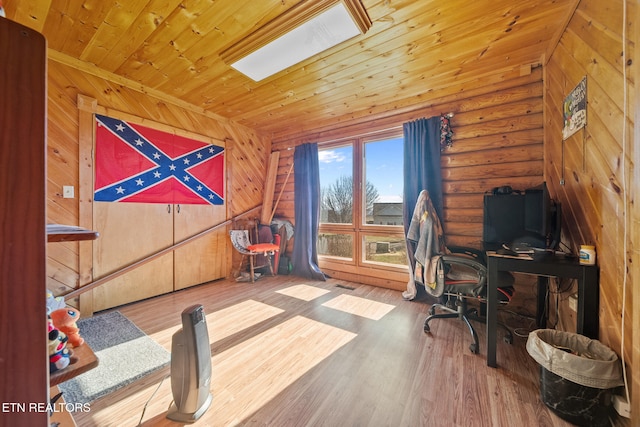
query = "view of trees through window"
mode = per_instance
[
  {"x": 337, "y": 200},
  {"x": 361, "y": 201}
]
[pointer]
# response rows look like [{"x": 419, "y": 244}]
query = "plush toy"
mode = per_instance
[
  {"x": 65, "y": 319},
  {"x": 59, "y": 354},
  {"x": 54, "y": 303}
]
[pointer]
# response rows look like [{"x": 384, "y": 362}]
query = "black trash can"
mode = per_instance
[{"x": 577, "y": 375}]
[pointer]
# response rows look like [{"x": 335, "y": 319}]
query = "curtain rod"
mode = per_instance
[{"x": 448, "y": 115}]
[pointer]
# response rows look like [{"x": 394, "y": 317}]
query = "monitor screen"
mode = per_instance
[
  {"x": 503, "y": 219},
  {"x": 537, "y": 210},
  {"x": 530, "y": 217}
]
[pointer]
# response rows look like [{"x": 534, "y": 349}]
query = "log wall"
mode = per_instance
[
  {"x": 596, "y": 165},
  {"x": 246, "y": 151},
  {"x": 498, "y": 140}
]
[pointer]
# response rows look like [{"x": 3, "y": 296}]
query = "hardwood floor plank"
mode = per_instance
[{"x": 289, "y": 352}]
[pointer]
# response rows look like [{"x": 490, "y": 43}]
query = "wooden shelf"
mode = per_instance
[
  {"x": 69, "y": 233},
  {"x": 86, "y": 360}
]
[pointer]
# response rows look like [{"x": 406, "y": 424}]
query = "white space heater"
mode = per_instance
[{"x": 190, "y": 367}]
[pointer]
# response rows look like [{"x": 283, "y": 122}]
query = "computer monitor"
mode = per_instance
[
  {"x": 542, "y": 216},
  {"x": 503, "y": 219},
  {"x": 530, "y": 218}
]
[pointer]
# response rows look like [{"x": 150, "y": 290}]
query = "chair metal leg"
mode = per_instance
[
  {"x": 251, "y": 269},
  {"x": 438, "y": 316},
  {"x": 474, "y": 345},
  {"x": 460, "y": 312}
]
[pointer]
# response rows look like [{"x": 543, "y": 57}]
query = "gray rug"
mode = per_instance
[{"x": 125, "y": 354}]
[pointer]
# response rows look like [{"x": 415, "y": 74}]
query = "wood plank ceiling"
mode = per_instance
[{"x": 415, "y": 50}]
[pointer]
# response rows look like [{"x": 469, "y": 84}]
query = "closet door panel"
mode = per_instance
[
  {"x": 129, "y": 232},
  {"x": 201, "y": 260}
]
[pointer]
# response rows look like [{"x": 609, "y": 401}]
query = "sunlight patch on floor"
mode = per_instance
[
  {"x": 359, "y": 306},
  {"x": 236, "y": 318},
  {"x": 253, "y": 372},
  {"x": 303, "y": 292},
  {"x": 225, "y": 322}
]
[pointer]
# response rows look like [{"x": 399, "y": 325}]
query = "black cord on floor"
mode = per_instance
[{"x": 149, "y": 400}]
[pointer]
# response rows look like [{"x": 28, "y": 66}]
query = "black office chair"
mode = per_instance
[
  {"x": 454, "y": 275},
  {"x": 463, "y": 276}
]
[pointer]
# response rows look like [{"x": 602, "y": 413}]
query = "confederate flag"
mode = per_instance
[{"x": 137, "y": 164}]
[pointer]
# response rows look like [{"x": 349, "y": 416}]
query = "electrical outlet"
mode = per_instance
[
  {"x": 573, "y": 302},
  {"x": 67, "y": 191}
]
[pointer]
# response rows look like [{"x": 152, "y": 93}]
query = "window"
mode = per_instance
[
  {"x": 382, "y": 172},
  {"x": 361, "y": 185},
  {"x": 336, "y": 185}
]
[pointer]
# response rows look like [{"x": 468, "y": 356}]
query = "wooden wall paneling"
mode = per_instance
[
  {"x": 493, "y": 142},
  {"x": 464, "y": 201},
  {"x": 592, "y": 162},
  {"x": 463, "y": 215},
  {"x": 381, "y": 112},
  {"x": 483, "y": 185},
  {"x": 451, "y": 97},
  {"x": 247, "y": 192},
  {"x": 86, "y": 108},
  {"x": 62, "y": 267},
  {"x": 62, "y": 169},
  {"x": 24, "y": 368},
  {"x": 632, "y": 289},
  {"x": 458, "y": 99},
  {"x": 108, "y": 87}
]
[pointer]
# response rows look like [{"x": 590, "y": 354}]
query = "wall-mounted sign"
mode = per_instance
[{"x": 574, "y": 109}]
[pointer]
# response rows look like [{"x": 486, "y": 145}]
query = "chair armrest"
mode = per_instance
[{"x": 472, "y": 252}]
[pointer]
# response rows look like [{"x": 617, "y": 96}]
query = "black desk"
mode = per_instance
[{"x": 550, "y": 265}]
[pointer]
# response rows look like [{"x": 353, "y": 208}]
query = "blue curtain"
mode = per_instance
[
  {"x": 422, "y": 171},
  {"x": 307, "y": 212},
  {"x": 422, "y": 165}
]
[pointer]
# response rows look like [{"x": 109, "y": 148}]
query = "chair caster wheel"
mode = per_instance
[
  {"x": 474, "y": 348},
  {"x": 508, "y": 339},
  {"x": 427, "y": 329}
]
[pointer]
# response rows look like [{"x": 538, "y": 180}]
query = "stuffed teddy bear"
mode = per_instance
[
  {"x": 59, "y": 354},
  {"x": 65, "y": 320}
]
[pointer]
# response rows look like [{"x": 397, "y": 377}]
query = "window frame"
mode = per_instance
[{"x": 359, "y": 228}]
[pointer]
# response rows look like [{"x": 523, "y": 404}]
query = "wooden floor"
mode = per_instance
[{"x": 289, "y": 352}]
